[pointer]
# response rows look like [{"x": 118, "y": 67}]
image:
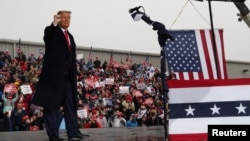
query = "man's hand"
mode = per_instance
[{"x": 57, "y": 19}]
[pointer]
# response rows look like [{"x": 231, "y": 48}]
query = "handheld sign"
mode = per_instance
[
  {"x": 10, "y": 88},
  {"x": 26, "y": 89}
]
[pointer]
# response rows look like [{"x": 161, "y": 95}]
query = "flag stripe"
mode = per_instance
[
  {"x": 199, "y": 126},
  {"x": 197, "y": 90},
  {"x": 200, "y": 75},
  {"x": 184, "y": 137},
  {"x": 215, "y": 94},
  {"x": 216, "y": 50},
  {"x": 221, "y": 51},
  {"x": 207, "y": 109},
  {"x": 212, "y": 56},
  {"x": 207, "y": 67},
  {"x": 200, "y": 83}
]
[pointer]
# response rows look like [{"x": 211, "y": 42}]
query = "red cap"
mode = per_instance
[{"x": 25, "y": 117}]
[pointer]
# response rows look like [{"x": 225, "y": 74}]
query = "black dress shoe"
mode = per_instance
[
  {"x": 78, "y": 137},
  {"x": 83, "y": 135},
  {"x": 75, "y": 138},
  {"x": 55, "y": 139}
]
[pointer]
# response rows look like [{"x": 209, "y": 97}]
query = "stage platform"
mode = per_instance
[{"x": 152, "y": 133}]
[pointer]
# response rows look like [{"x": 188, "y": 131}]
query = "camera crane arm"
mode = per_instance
[
  {"x": 244, "y": 12},
  {"x": 242, "y": 7}
]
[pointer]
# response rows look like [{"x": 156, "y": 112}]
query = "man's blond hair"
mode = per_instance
[{"x": 63, "y": 11}]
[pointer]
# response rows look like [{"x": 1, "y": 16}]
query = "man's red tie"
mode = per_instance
[{"x": 67, "y": 38}]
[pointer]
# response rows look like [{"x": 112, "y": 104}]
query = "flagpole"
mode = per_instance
[
  {"x": 18, "y": 48},
  {"x": 163, "y": 36},
  {"x": 165, "y": 89},
  {"x": 213, "y": 40}
]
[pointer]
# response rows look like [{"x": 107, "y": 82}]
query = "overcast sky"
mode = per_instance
[{"x": 107, "y": 23}]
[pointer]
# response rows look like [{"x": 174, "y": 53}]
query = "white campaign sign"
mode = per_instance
[{"x": 26, "y": 89}]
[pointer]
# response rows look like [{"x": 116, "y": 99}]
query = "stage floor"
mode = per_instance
[{"x": 152, "y": 133}]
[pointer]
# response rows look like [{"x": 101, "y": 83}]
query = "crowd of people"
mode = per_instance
[{"x": 110, "y": 93}]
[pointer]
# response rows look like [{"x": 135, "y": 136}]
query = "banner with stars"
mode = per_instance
[{"x": 195, "y": 104}]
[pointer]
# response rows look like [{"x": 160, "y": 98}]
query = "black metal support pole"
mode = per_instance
[
  {"x": 213, "y": 39},
  {"x": 163, "y": 36},
  {"x": 165, "y": 90}
]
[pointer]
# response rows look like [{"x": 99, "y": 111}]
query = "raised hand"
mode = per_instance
[{"x": 57, "y": 19}]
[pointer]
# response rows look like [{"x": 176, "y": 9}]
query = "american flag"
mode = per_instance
[
  {"x": 195, "y": 105},
  {"x": 192, "y": 55},
  {"x": 90, "y": 54},
  {"x": 111, "y": 59},
  {"x": 18, "y": 48}
]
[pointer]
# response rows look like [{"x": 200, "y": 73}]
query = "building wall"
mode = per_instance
[
  {"x": 235, "y": 69},
  {"x": 102, "y": 53}
]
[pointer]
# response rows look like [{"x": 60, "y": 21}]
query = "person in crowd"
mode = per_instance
[
  {"x": 94, "y": 123},
  {"x": 31, "y": 72},
  {"x": 172, "y": 76},
  {"x": 150, "y": 70},
  {"x": 17, "y": 116},
  {"x": 128, "y": 106},
  {"x": 97, "y": 63},
  {"x": 25, "y": 124},
  {"x": 32, "y": 59},
  {"x": 25, "y": 101},
  {"x": 6, "y": 123},
  {"x": 126, "y": 64},
  {"x": 1, "y": 107},
  {"x": 132, "y": 122},
  {"x": 9, "y": 100},
  {"x": 153, "y": 118},
  {"x": 2, "y": 60},
  {"x": 119, "y": 120},
  {"x": 37, "y": 120},
  {"x": 40, "y": 59},
  {"x": 105, "y": 65},
  {"x": 83, "y": 65},
  {"x": 90, "y": 64},
  {"x": 21, "y": 57},
  {"x": 142, "y": 115},
  {"x": 109, "y": 115},
  {"x": 57, "y": 80},
  {"x": 7, "y": 56},
  {"x": 102, "y": 120}
]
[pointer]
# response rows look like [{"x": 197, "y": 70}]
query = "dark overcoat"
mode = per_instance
[{"x": 50, "y": 88}]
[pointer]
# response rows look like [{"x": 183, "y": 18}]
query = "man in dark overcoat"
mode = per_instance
[{"x": 57, "y": 83}]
